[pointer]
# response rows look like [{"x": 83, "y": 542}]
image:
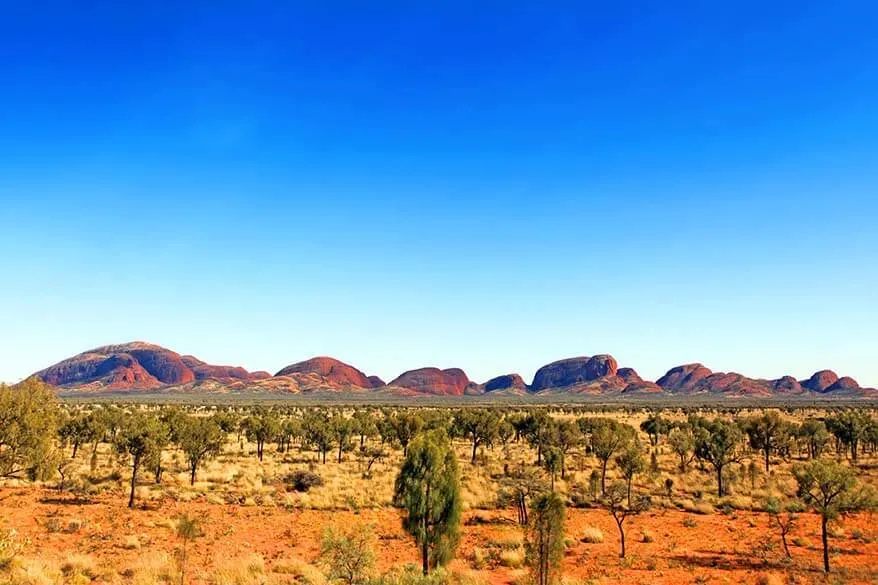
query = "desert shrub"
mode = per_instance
[
  {"x": 9, "y": 549},
  {"x": 302, "y": 481},
  {"x": 348, "y": 555},
  {"x": 647, "y": 536},
  {"x": 592, "y": 535},
  {"x": 412, "y": 575},
  {"x": 514, "y": 559},
  {"x": 689, "y": 522}
]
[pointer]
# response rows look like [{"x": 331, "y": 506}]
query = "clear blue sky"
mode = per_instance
[{"x": 489, "y": 185}]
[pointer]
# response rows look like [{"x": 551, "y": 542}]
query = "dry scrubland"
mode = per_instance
[{"x": 251, "y": 525}]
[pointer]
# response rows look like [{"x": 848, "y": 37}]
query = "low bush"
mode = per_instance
[
  {"x": 302, "y": 481},
  {"x": 592, "y": 535}
]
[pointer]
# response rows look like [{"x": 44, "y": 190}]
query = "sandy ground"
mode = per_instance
[{"x": 740, "y": 547}]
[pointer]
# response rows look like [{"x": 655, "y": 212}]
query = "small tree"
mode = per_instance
[
  {"x": 544, "y": 538},
  {"x": 785, "y": 516},
  {"x": 188, "y": 529},
  {"x": 655, "y": 426},
  {"x": 479, "y": 426},
  {"x": 682, "y": 443},
  {"x": 765, "y": 432},
  {"x": 607, "y": 438},
  {"x": 28, "y": 423},
  {"x": 200, "y": 439},
  {"x": 718, "y": 443},
  {"x": 849, "y": 427},
  {"x": 342, "y": 430},
  {"x": 521, "y": 486},
  {"x": 831, "y": 490},
  {"x": 552, "y": 462},
  {"x": 142, "y": 438},
  {"x": 349, "y": 555},
  {"x": 630, "y": 463},
  {"x": 615, "y": 498},
  {"x": 405, "y": 426},
  {"x": 261, "y": 427},
  {"x": 428, "y": 489}
]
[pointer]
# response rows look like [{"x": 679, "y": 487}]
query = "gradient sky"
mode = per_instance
[{"x": 487, "y": 185}]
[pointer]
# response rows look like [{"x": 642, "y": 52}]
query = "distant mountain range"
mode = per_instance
[{"x": 143, "y": 367}]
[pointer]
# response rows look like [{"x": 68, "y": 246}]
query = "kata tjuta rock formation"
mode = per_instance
[
  {"x": 144, "y": 366},
  {"x": 140, "y": 366}
]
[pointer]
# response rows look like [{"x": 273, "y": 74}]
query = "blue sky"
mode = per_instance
[{"x": 488, "y": 185}]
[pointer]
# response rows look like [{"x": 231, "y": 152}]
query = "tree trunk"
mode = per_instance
[
  {"x": 621, "y": 539},
  {"x": 192, "y": 476},
  {"x": 133, "y": 482},
  {"x": 767, "y": 461},
  {"x": 719, "y": 481},
  {"x": 604, "y": 477},
  {"x": 475, "y": 448},
  {"x": 825, "y": 544}
]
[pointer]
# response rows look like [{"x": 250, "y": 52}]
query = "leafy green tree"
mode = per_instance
[
  {"x": 79, "y": 429},
  {"x": 552, "y": 462},
  {"x": 815, "y": 435},
  {"x": 364, "y": 425},
  {"x": 29, "y": 416},
  {"x": 682, "y": 442},
  {"x": 428, "y": 489},
  {"x": 200, "y": 438},
  {"x": 718, "y": 443},
  {"x": 318, "y": 432},
  {"x": 142, "y": 438},
  {"x": 261, "y": 427},
  {"x": 405, "y": 426},
  {"x": 614, "y": 500},
  {"x": 539, "y": 432},
  {"x": 342, "y": 430},
  {"x": 831, "y": 490},
  {"x": 630, "y": 462},
  {"x": 349, "y": 556},
  {"x": 765, "y": 432},
  {"x": 849, "y": 427},
  {"x": 568, "y": 437},
  {"x": 608, "y": 437},
  {"x": 544, "y": 538},
  {"x": 655, "y": 427},
  {"x": 480, "y": 426}
]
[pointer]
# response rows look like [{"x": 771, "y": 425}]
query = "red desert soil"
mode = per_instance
[{"x": 721, "y": 548}]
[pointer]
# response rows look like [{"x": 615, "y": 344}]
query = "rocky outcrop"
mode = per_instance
[
  {"x": 820, "y": 381},
  {"x": 376, "y": 382},
  {"x": 450, "y": 382},
  {"x": 573, "y": 371},
  {"x": 505, "y": 382},
  {"x": 786, "y": 385},
  {"x": 135, "y": 365},
  {"x": 683, "y": 378},
  {"x": 845, "y": 384},
  {"x": 332, "y": 370}
]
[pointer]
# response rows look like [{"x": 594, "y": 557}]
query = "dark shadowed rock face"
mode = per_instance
[
  {"x": 333, "y": 370},
  {"x": 683, "y": 378},
  {"x": 786, "y": 385},
  {"x": 376, "y": 382},
  {"x": 601, "y": 366},
  {"x": 629, "y": 375},
  {"x": 845, "y": 384},
  {"x": 507, "y": 382},
  {"x": 450, "y": 382},
  {"x": 820, "y": 381},
  {"x": 135, "y": 365},
  {"x": 572, "y": 371}
]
